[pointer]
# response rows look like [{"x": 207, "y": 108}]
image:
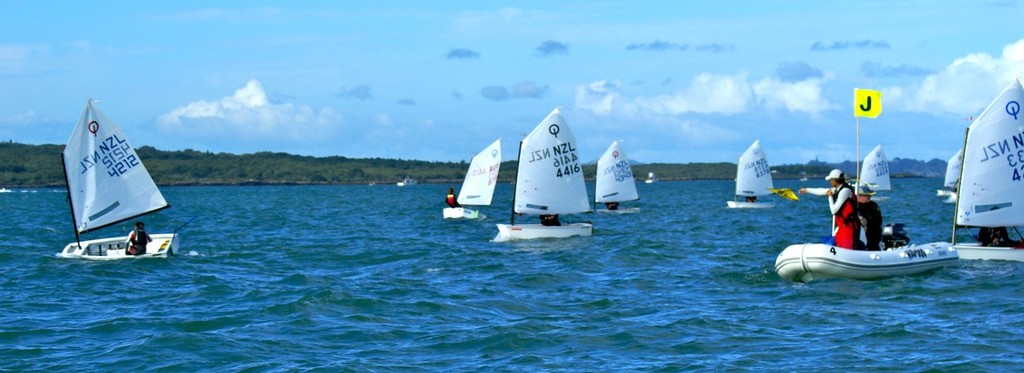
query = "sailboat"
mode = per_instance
[
  {"x": 651, "y": 178},
  {"x": 952, "y": 177},
  {"x": 549, "y": 182},
  {"x": 478, "y": 187},
  {"x": 753, "y": 178},
  {"x": 991, "y": 190},
  {"x": 615, "y": 179},
  {"x": 875, "y": 172},
  {"x": 108, "y": 184}
]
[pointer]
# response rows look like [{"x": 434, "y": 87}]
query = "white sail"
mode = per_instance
[
  {"x": 614, "y": 177},
  {"x": 107, "y": 182},
  {"x": 991, "y": 190},
  {"x": 753, "y": 176},
  {"x": 550, "y": 177},
  {"x": 875, "y": 170},
  {"x": 953, "y": 169},
  {"x": 478, "y": 188}
]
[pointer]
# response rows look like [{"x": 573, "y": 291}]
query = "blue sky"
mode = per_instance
[{"x": 688, "y": 81}]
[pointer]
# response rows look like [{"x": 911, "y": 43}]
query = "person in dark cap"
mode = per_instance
[
  {"x": 870, "y": 218},
  {"x": 138, "y": 239}
]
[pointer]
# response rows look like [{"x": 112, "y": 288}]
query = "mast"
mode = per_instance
[
  {"x": 515, "y": 183},
  {"x": 959, "y": 189},
  {"x": 71, "y": 206}
]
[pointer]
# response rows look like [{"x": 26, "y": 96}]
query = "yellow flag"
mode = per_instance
[
  {"x": 785, "y": 193},
  {"x": 867, "y": 103}
]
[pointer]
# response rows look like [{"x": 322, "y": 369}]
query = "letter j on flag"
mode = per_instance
[{"x": 867, "y": 103}]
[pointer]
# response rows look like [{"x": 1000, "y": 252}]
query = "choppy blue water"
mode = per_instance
[{"x": 371, "y": 278}]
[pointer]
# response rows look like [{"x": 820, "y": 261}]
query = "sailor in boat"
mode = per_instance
[
  {"x": 137, "y": 240},
  {"x": 611, "y": 205},
  {"x": 751, "y": 199},
  {"x": 997, "y": 237},
  {"x": 451, "y": 200},
  {"x": 870, "y": 218},
  {"x": 843, "y": 205},
  {"x": 550, "y": 220}
]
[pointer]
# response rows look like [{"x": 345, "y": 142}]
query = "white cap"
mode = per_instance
[{"x": 835, "y": 174}]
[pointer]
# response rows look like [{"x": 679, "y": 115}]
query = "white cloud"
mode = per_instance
[
  {"x": 248, "y": 113},
  {"x": 708, "y": 94},
  {"x": 964, "y": 87},
  {"x": 801, "y": 96}
]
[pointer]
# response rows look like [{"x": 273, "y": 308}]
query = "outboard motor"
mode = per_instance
[{"x": 894, "y": 235}]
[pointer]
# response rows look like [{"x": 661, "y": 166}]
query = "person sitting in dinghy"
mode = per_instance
[
  {"x": 451, "y": 200},
  {"x": 996, "y": 237},
  {"x": 611, "y": 205},
  {"x": 137, "y": 240},
  {"x": 550, "y": 220},
  {"x": 842, "y": 204}
]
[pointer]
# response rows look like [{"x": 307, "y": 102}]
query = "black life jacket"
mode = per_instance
[{"x": 141, "y": 238}]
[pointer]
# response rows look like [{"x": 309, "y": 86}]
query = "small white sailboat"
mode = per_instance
[
  {"x": 875, "y": 172},
  {"x": 108, "y": 184},
  {"x": 549, "y": 182},
  {"x": 991, "y": 190},
  {"x": 615, "y": 181},
  {"x": 753, "y": 178},
  {"x": 478, "y": 187},
  {"x": 651, "y": 178},
  {"x": 952, "y": 177}
]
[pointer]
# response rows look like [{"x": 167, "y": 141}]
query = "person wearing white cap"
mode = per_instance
[{"x": 843, "y": 205}]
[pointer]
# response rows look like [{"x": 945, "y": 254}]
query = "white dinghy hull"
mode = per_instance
[
  {"x": 508, "y": 232},
  {"x": 163, "y": 245},
  {"x": 807, "y": 262},
  {"x": 749, "y": 205},
  {"x": 975, "y": 251},
  {"x": 628, "y": 210},
  {"x": 462, "y": 213}
]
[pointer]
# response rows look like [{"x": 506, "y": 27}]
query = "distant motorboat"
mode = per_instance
[
  {"x": 406, "y": 181},
  {"x": 651, "y": 178}
]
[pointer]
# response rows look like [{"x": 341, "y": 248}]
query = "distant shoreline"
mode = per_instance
[{"x": 39, "y": 166}]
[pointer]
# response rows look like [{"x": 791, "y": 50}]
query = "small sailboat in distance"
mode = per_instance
[
  {"x": 952, "y": 178},
  {"x": 108, "y": 184},
  {"x": 875, "y": 172},
  {"x": 754, "y": 179},
  {"x": 478, "y": 187},
  {"x": 549, "y": 182},
  {"x": 615, "y": 181}
]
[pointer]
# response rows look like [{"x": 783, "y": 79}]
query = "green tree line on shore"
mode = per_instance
[{"x": 24, "y": 165}]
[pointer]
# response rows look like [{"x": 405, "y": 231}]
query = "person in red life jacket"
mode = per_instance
[
  {"x": 138, "y": 239},
  {"x": 451, "y": 200},
  {"x": 842, "y": 203},
  {"x": 549, "y": 220}
]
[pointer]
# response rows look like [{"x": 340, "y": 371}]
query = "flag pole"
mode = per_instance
[{"x": 856, "y": 188}]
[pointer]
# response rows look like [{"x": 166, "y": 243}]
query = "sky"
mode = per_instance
[{"x": 676, "y": 82}]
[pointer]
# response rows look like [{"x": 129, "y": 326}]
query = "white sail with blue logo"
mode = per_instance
[
  {"x": 753, "y": 178},
  {"x": 991, "y": 189},
  {"x": 875, "y": 170},
  {"x": 478, "y": 187},
  {"x": 107, "y": 184},
  {"x": 549, "y": 182},
  {"x": 615, "y": 182}
]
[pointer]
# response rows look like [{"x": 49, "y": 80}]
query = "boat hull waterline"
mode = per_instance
[
  {"x": 163, "y": 245},
  {"x": 508, "y": 232}
]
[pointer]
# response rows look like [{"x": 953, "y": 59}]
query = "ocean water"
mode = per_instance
[{"x": 371, "y": 278}]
